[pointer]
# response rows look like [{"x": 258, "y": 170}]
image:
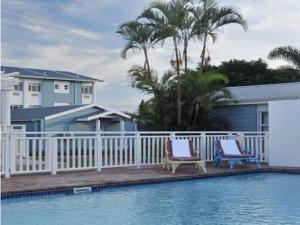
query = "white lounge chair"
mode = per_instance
[{"x": 181, "y": 152}]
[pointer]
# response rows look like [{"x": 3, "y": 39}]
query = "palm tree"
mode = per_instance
[
  {"x": 149, "y": 84},
  {"x": 154, "y": 113},
  {"x": 209, "y": 19},
  {"x": 139, "y": 38},
  {"x": 169, "y": 19},
  {"x": 287, "y": 53},
  {"x": 201, "y": 94}
]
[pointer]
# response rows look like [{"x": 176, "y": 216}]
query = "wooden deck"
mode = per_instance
[{"x": 43, "y": 182}]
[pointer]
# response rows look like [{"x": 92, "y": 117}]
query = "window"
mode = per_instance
[
  {"x": 264, "y": 121},
  {"x": 62, "y": 87},
  {"x": 87, "y": 90},
  {"x": 16, "y": 106},
  {"x": 18, "y": 87},
  {"x": 34, "y": 87}
]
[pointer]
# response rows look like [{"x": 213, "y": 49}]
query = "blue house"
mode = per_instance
[
  {"x": 49, "y": 100},
  {"x": 44, "y": 88},
  {"x": 76, "y": 118},
  {"x": 249, "y": 111}
]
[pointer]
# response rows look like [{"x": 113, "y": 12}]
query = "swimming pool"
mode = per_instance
[{"x": 243, "y": 199}]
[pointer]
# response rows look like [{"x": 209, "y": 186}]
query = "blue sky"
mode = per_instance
[{"x": 79, "y": 36}]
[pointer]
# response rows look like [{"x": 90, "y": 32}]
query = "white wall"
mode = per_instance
[
  {"x": 284, "y": 133},
  {"x": 31, "y": 98}
]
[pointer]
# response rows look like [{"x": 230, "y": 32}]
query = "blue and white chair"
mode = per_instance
[{"x": 231, "y": 151}]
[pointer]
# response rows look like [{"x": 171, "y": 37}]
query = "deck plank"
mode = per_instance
[{"x": 39, "y": 182}]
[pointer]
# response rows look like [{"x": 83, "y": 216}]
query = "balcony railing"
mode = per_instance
[{"x": 52, "y": 152}]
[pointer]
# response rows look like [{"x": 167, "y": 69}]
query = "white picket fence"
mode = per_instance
[{"x": 51, "y": 152}]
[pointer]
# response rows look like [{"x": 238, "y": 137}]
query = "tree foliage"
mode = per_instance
[
  {"x": 241, "y": 72},
  {"x": 182, "y": 98},
  {"x": 201, "y": 94},
  {"x": 289, "y": 54}
]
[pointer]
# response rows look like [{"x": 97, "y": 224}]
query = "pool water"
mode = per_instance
[{"x": 244, "y": 199}]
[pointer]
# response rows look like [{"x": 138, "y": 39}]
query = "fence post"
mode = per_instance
[
  {"x": 53, "y": 141},
  {"x": 266, "y": 147},
  {"x": 241, "y": 138},
  {"x": 48, "y": 153},
  {"x": 122, "y": 146},
  {"x": 12, "y": 153},
  {"x": 138, "y": 156},
  {"x": 98, "y": 153},
  {"x": 7, "y": 155},
  {"x": 203, "y": 146},
  {"x": 172, "y": 136}
]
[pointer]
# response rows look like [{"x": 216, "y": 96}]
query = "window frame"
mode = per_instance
[
  {"x": 62, "y": 87},
  {"x": 262, "y": 123},
  {"x": 87, "y": 90},
  {"x": 18, "y": 87},
  {"x": 34, "y": 87}
]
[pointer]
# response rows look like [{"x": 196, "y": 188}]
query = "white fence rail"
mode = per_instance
[{"x": 35, "y": 152}]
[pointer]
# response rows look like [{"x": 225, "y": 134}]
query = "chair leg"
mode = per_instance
[
  {"x": 216, "y": 162},
  {"x": 258, "y": 163},
  {"x": 201, "y": 165},
  {"x": 231, "y": 163},
  {"x": 165, "y": 165},
  {"x": 174, "y": 167}
]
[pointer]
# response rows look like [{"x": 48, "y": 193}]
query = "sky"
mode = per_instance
[{"x": 80, "y": 36}]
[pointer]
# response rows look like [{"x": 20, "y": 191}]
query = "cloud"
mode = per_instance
[
  {"x": 80, "y": 8},
  {"x": 79, "y": 36}
]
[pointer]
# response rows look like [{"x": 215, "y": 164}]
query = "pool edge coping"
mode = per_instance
[{"x": 104, "y": 186}]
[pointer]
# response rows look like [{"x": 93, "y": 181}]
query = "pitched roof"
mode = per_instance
[
  {"x": 46, "y": 74},
  {"x": 29, "y": 114},
  {"x": 47, "y": 113},
  {"x": 266, "y": 92}
]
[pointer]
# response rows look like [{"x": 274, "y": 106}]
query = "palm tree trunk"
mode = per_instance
[
  {"x": 203, "y": 54},
  {"x": 196, "y": 113},
  {"x": 147, "y": 62},
  {"x": 178, "y": 84},
  {"x": 185, "y": 46}
]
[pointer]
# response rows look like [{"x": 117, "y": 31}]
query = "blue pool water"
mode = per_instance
[{"x": 245, "y": 199}]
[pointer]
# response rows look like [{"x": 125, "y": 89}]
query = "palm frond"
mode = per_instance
[
  {"x": 288, "y": 53},
  {"x": 130, "y": 46},
  {"x": 138, "y": 36},
  {"x": 227, "y": 15}
]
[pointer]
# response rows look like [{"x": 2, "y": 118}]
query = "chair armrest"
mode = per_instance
[{"x": 247, "y": 152}]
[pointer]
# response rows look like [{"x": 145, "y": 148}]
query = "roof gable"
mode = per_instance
[
  {"x": 48, "y": 113},
  {"x": 108, "y": 111}
]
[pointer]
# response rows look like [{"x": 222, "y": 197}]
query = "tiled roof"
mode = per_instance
[
  {"x": 267, "y": 92},
  {"x": 46, "y": 74}
]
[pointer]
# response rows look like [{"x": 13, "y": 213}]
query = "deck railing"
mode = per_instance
[{"x": 35, "y": 152}]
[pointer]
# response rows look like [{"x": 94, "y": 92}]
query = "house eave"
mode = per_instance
[
  {"x": 258, "y": 101},
  {"x": 58, "y": 78}
]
